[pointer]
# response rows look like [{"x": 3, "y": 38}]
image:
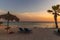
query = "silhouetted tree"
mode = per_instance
[{"x": 55, "y": 11}]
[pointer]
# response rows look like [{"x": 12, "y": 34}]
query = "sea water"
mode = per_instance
[{"x": 33, "y": 24}]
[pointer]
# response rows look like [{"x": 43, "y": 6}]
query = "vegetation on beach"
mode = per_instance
[{"x": 55, "y": 11}]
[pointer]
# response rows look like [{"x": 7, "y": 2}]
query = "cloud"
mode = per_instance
[
  {"x": 31, "y": 16},
  {"x": 2, "y": 11},
  {"x": 35, "y": 16}
]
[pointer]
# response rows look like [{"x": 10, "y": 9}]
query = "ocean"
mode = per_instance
[{"x": 33, "y": 24}]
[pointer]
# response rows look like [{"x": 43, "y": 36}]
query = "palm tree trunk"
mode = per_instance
[{"x": 56, "y": 24}]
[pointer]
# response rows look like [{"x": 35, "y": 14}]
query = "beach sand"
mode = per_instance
[{"x": 36, "y": 34}]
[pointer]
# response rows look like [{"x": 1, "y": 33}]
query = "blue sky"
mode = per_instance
[
  {"x": 27, "y": 5},
  {"x": 29, "y": 10}
]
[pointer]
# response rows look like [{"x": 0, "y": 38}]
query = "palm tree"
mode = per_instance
[
  {"x": 9, "y": 17},
  {"x": 55, "y": 11}
]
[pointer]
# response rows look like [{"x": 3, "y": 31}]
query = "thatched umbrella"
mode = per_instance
[{"x": 9, "y": 17}]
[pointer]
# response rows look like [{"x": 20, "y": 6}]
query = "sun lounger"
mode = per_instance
[
  {"x": 57, "y": 30},
  {"x": 24, "y": 30},
  {"x": 21, "y": 29},
  {"x": 27, "y": 30}
]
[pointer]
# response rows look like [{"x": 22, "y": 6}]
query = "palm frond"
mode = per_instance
[
  {"x": 54, "y": 8},
  {"x": 53, "y": 13},
  {"x": 58, "y": 10},
  {"x": 49, "y": 11}
]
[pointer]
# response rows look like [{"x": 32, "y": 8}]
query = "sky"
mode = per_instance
[{"x": 29, "y": 10}]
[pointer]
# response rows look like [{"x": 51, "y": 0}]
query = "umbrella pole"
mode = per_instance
[{"x": 7, "y": 25}]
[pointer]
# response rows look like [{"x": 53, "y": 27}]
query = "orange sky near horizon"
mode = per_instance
[
  {"x": 37, "y": 16},
  {"x": 34, "y": 16},
  {"x": 29, "y": 10}
]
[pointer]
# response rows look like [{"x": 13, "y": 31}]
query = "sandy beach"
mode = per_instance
[
  {"x": 36, "y": 34},
  {"x": 17, "y": 17}
]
